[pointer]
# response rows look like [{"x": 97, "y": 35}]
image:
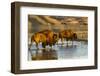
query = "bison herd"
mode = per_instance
[{"x": 49, "y": 37}]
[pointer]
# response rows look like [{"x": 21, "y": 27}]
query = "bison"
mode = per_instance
[
  {"x": 67, "y": 35},
  {"x": 46, "y": 37}
]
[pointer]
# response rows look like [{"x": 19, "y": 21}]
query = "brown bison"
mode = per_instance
[
  {"x": 37, "y": 38},
  {"x": 46, "y": 37},
  {"x": 67, "y": 35}
]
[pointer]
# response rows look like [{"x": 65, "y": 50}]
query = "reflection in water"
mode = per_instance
[
  {"x": 78, "y": 50},
  {"x": 44, "y": 54}
]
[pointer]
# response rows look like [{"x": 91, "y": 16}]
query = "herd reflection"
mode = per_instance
[{"x": 78, "y": 50}]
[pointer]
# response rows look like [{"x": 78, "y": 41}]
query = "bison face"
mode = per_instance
[{"x": 55, "y": 37}]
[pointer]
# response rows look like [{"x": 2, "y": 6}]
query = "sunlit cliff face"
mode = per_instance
[
  {"x": 52, "y": 20},
  {"x": 40, "y": 22},
  {"x": 39, "y": 19}
]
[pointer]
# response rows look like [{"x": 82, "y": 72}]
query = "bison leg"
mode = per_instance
[
  {"x": 72, "y": 42},
  {"x": 67, "y": 41},
  {"x": 44, "y": 44},
  {"x": 62, "y": 41},
  {"x": 57, "y": 43},
  {"x": 37, "y": 46},
  {"x": 50, "y": 45}
]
